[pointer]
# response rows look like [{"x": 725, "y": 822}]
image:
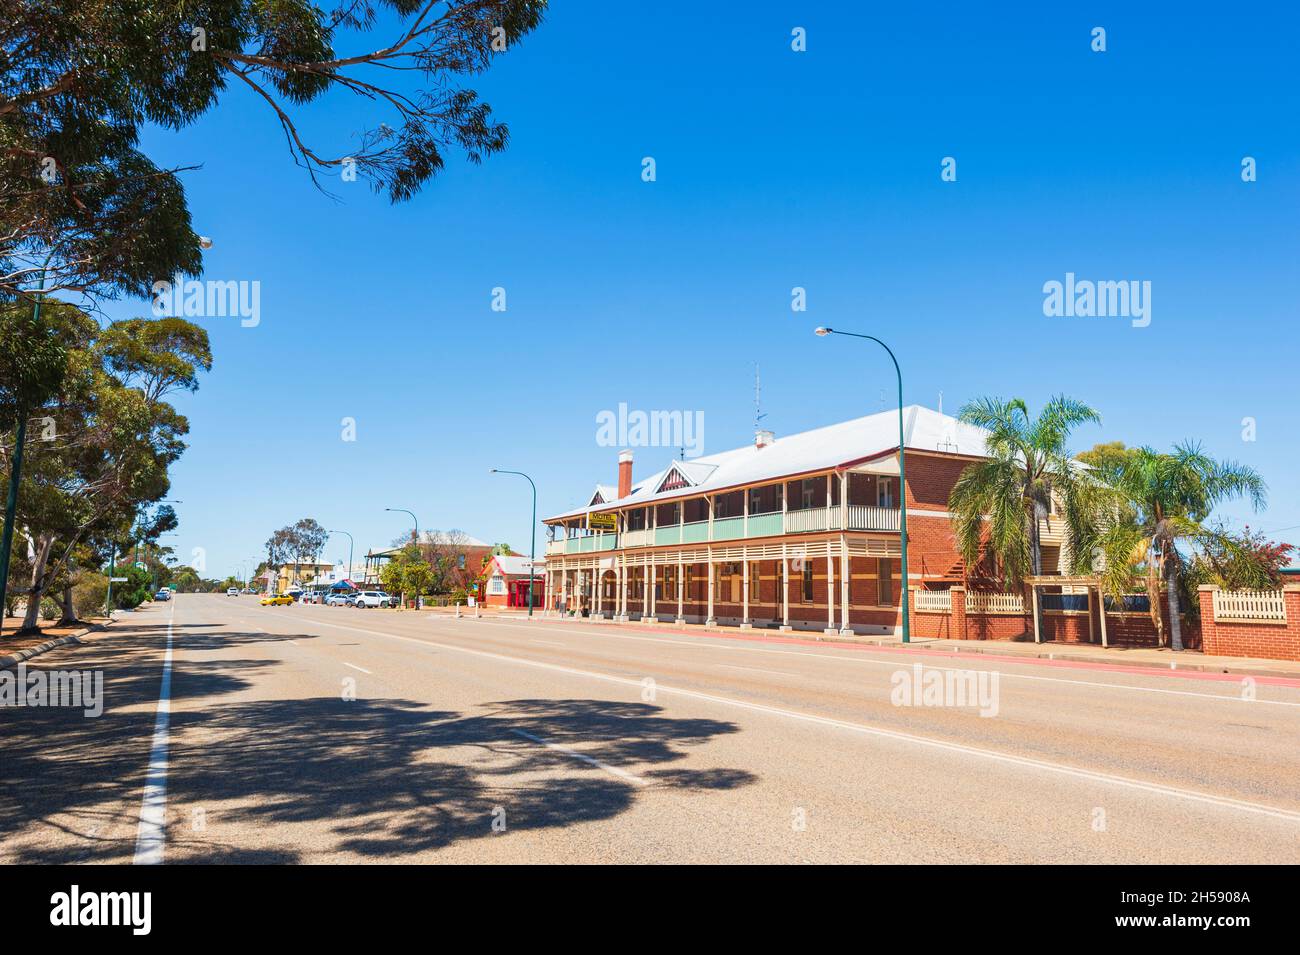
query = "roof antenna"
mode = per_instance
[
  {"x": 759, "y": 414},
  {"x": 940, "y": 402}
]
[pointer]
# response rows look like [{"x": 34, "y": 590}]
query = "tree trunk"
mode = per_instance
[
  {"x": 1175, "y": 628},
  {"x": 1036, "y": 565},
  {"x": 69, "y": 608},
  {"x": 1153, "y": 598},
  {"x": 32, "y": 616}
]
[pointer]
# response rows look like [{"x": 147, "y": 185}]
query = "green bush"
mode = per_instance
[
  {"x": 134, "y": 591},
  {"x": 88, "y": 595}
]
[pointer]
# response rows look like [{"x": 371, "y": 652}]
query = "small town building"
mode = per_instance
[
  {"x": 796, "y": 532},
  {"x": 506, "y": 580}
]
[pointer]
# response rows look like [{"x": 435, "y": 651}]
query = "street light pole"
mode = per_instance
[
  {"x": 415, "y": 539},
  {"x": 351, "y": 543},
  {"x": 532, "y": 537},
  {"x": 415, "y": 535},
  {"x": 902, "y": 475},
  {"x": 15, "y": 473}
]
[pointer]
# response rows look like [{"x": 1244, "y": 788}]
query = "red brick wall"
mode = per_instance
[{"x": 1273, "y": 641}]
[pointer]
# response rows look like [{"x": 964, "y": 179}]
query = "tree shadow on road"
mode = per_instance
[
  {"x": 68, "y": 780},
  {"x": 394, "y": 779}
]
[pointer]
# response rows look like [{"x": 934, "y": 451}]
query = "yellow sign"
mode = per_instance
[{"x": 602, "y": 522}]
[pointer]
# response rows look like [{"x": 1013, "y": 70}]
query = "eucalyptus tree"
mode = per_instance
[
  {"x": 102, "y": 446},
  {"x": 84, "y": 208}
]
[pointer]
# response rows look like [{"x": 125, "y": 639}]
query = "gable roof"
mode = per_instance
[
  {"x": 514, "y": 565},
  {"x": 833, "y": 446}
]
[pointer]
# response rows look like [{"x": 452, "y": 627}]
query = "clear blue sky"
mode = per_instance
[{"x": 775, "y": 169}]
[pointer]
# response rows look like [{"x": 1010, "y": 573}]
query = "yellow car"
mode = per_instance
[{"x": 279, "y": 600}]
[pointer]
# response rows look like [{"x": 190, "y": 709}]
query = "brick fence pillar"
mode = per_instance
[
  {"x": 958, "y": 618},
  {"x": 1291, "y": 600},
  {"x": 1209, "y": 639}
]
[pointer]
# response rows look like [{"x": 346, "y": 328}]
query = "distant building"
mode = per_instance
[
  {"x": 300, "y": 574},
  {"x": 463, "y": 556},
  {"x": 507, "y": 578}
]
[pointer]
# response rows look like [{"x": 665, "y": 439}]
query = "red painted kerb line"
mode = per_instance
[{"x": 665, "y": 630}]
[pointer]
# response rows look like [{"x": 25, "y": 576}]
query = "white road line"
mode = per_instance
[
  {"x": 758, "y": 669},
  {"x": 612, "y": 770},
  {"x": 871, "y": 661},
  {"x": 151, "y": 835},
  {"x": 355, "y": 667},
  {"x": 1175, "y": 792}
]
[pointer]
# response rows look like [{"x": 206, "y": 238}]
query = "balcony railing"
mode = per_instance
[{"x": 861, "y": 517}]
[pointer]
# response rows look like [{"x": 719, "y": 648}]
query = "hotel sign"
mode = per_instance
[{"x": 603, "y": 522}]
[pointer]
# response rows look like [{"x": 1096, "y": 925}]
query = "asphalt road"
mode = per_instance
[{"x": 321, "y": 734}]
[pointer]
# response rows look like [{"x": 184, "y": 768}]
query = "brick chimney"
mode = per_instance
[
  {"x": 624, "y": 474},
  {"x": 763, "y": 438}
]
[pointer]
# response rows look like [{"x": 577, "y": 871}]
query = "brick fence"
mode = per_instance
[
  {"x": 1270, "y": 639},
  {"x": 1131, "y": 629}
]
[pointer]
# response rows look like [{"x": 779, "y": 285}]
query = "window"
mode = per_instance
[
  {"x": 806, "y": 489},
  {"x": 884, "y": 582},
  {"x": 807, "y": 582},
  {"x": 884, "y": 492},
  {"x": 755, "y": 580},
  {"x": 497, "y": 584},
  {"x": 460, "y": 562}
]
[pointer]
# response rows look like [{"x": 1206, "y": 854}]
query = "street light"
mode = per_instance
[
  {"x": 532, "y": 546},
  {"x": 415, "y": 536},
  {"x": 902, "y": 473},
  {"x": 350, "y": 546}
]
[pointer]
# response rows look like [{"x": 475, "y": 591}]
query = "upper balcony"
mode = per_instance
[{"x": 812, "y": 520}]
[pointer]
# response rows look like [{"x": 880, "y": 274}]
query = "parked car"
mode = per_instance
[
  {"x": 163, "y": 594},
  {"x": 279, "y": 600},
  {"x": 374, "y": 598},
  {"x": 338, "y": 600},
  {"x": 232, "y": 591}
]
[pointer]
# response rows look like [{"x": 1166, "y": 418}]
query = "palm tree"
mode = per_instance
[
  {"x": 1165, "y": 499},
  {"x": 1008, "y": 495}
]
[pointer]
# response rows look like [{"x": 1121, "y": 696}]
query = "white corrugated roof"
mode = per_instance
[
  {"x": 514, "y": 565},
  {"x": 833, "y": 446}
]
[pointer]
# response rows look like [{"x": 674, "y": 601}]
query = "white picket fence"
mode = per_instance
[
  {"x": 1249, "y": 605},
  {"x": 934, "y": 601},
  {"x": 990, "y": 603},
  {"x": 978, "y": 602}
]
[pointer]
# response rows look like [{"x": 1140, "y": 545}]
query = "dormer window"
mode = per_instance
[{"x": 673, "y": 481}]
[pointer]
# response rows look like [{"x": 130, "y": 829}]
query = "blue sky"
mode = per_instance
[{"x": 775, "y": 169}]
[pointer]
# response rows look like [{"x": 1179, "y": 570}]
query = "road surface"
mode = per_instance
[{"x": 323, "y": 734}]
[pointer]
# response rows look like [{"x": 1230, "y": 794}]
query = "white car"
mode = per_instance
[
  {"x": 232, "y": 591},
  {"x": 373, "y": 598},
  {"x": 338, "y": 600}
]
